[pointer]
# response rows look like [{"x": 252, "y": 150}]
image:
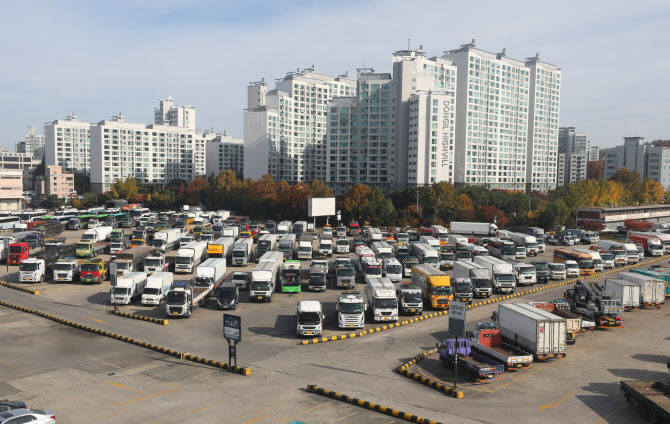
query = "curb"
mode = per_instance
[
  {"x": 174, "y": 353},
  {"x": 474, "y": 305},
  {"x": 402, "y": 369},
  {"x": 15, "y": 287},
  {"x": 140, "y": 317},
  {"x": 369, "y": 405}
]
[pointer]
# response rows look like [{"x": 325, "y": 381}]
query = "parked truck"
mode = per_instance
[
  {"x": 166, "y": 240},
  {"x": 650, "y": 242},
  {"x": 653, "y": 397},
  {"x": 266, "y": 243},
  {"x": 158, "y": 262},
  {"x": 592, "y": 302},
  {"x": 97, "y": 234},
  {"x": 435, "y": 286},
  {"x": 242, "y": 250},
  {"x": 481, "y": 229},
  {"x": 305, "y": 247},
  {"x": 350, "y": 310},
  {"x": 381, "y": 298},
  {"x": 94, "y": 271},
  {"x": 309, "y": 318},
  {"x": 67, "y": 269},
  {"x": 573, "y": 323},
  {"x": 627, "y": 292},
  {"x": 233, "y": 232},
  {"x": 531, "y": 330},
  {"x": 478, "y": 275},
  {"x": 36, "y": 270},
  {"x": 157, "y": 288},
  {"x": 501, "y": 273},
  {"x": 289, "y": 279},
  {"x": 487, "y": 341},
  {"x": 656, "y": 274},
  {"x": 127, "y": 288},
  {"x": 345, "y": 276},
  {"x": 222, "y": 247},
  {"x": 90, "y": 248},
  {"x": 212, "y": 271},
  {"x": 264, "y": 276},
  {"x": 132, "y": 259},
  {"x": 652, "y": 290},
  {"x": 325, "y": 245},
  {"x": 475, "y": 366},
  {"x": 190, "y": 256},
  {"x": 18, "y": 252},
  {"x": 410, "y": 299},
  {"x": 183, "y": 298}
]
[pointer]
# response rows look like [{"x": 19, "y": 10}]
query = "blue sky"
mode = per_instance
[{"x": 99, "y": 58}]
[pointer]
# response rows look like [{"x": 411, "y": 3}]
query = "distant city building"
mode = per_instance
[
  {"x": 167, "y": 114},
  {"x": 575, "y": 146},
  {"x": 55, "y": 182},
  {"x": 595, "y": 170},
  {"x": 32, "y": 144},
  {"x": 594, "y": 153},
  {"x": 224, "y": 152},
  {"x": 24, "y": 162},
  {"x": 11, "y": 190},
  {"x": 67, "y": 143},
  {"x": 648, "y": 160}
]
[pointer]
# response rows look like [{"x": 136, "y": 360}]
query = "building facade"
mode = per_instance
[
  {"x": 11, "y": 190},
  {"x": 575, "y": 146},
  {"x": 224, "y": 152},
  {"x": 594, "y": 153},
  {"x": 33, "y": 144},
  {"x": 67, "y": 143},
  {"x": 167, "y": 114},
  {"x": 285, "y": 128},
  {"x": 24, "y": 162},
  {"x": 55, "y": 182}
]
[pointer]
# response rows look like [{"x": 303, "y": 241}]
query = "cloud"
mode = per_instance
[{"x": 97, "y": 58}]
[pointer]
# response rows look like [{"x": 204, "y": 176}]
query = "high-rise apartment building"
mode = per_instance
[
  {"x": 630, "y": 155},
  {"x": 544, "y": 105},
  {"x": 285, "y": 128},
  {"x": 224, "y": 152},
  {"x": 492, "y": 113},
  {"x": 167, "y": 114},
  {"x": 594, "y": 153},
  {"x": 67, "y": 143},
  {"x": 32, "y": 144},
  {"x": 576, "y": 148},
  {"x": 154, "y": 154}
]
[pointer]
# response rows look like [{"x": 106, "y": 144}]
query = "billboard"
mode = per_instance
[{"x": 320, "y": 206}]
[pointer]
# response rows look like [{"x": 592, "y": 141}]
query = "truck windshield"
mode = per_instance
[
  {"x": 463, "y": 254},
  {"x": 506, "y": 278},
  {"x": 325, "y": 246},
  {"x": 350, "y": 308},
  {"x": 62, "y": 267},
  {"x": 482, "y": 283},
  {"x": 183, "y": 260},
  {"x": 304, "y": 249},
  {"x": 586, "y": 263},
  {"x": 83, "y": 246},
  {"x": 176, "y": 298},
  {"x": 15, "y": 249},
  {"x": 556, "y": 267},
  {"x": 31, "y": 237},
  {"x": 260, "y": 285},
  {"x": 239, "y": 253},
  {"x": 317, "y": 278},
  {"x": 541, "y": 266},
  {"x": 527, "y": 270},
  {"x": 373, "y": 270},
  {"x": 120, "y": 290},
  {"x": 285, "y": 247},
  {"x": 310, "y": 318},
  {"x": 89, "y": 267},
  {"x": 386, "y": 303},
  {"x": 573, "y": 266},
  {"x": 412, "y": 297},
  {"x": 343, "y": 242},
  {"x": 28, "y": 267},
  {"x": 442, "y": 291},
  {"x": 150, "y": 290},
  {"x": 607, "y": 256},
  {"x": 446, "y": 257},
  {"x": 394, "y": 269},
  {"x": 152, "y": 262},
  {"x": 345, "y": 272},
  {"x": 158, "y": 243},
  {"x": 509, "y": 249},
  {"x": 463, "y": 287},
  {"x": 185, "y": 240},
  {"x": 434, "y": 260},
  {"x": 227, "y": 293},
  {"x": 202, "y": 281},
  {"x": 123, "y": 266},
  {"x": 88, "y": 237},
  {"x": 531, "y": 245}
]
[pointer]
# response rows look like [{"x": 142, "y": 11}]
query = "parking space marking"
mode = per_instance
[
  {"x": 552, "y": 405},
  {"x": 307, "y": 410},
  {"x": 167, "y": 372},
  {"x": 108, "y": 416},
  {"x": 253, "y": 420},
  {"x": 150, "y": 396},
  {"x": 106, "y": 363},
  {"x": 340, "y": 419},
  {"x": 119, "y": 385},
  {"x": 608, "y": 415},
  {"x": 206, "y": 407},
  {"x": 96, "y": 320}
]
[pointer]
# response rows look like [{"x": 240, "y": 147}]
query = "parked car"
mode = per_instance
[
  {"x": 6, "y": 405},
  {"x": 34, "y": 416}
]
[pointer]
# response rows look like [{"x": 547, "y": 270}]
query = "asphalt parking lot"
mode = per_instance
[{"x": 109, "y": 381}]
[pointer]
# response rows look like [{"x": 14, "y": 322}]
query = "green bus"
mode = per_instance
[{"x": 290, "y": 277}]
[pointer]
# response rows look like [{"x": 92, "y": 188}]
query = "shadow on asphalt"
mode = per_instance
[
  {"x": 636, "y": 374},
  {"x": 660, "y": 359}
]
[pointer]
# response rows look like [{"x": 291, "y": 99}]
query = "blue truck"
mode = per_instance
[{"x": 475, "y": 366}]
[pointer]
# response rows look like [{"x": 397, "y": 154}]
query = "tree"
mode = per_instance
[
  {"x": 51, "y": 202},
  {"x": 637, "y": 225},
  {"x": 628, "y": 178},
  {"x": 556, "y": 213},
  {"x": 82, "y": 183},
  {"x": 650, "y": 192},
  {"x": 124, "y": 189},
  {"x": 439, "y": 202},
  {"x": 490, "y": 213},
  {"x": 593, "y": 226},
  {"x": 380, "y": 210},
  {"x": 466, "y": 210},
  {"x": 320, "y": 189},
  {"x": 666, "y": 197},
  {"x": 195, "y": 190},
  {"x": 355, "y": 203}
]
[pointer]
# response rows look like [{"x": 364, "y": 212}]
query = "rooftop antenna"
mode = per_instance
[{"x": 409, "y": 44}]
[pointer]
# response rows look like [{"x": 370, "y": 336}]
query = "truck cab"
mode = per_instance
[
  {"x": 67, "y": 269},
  {"x": 350, "y": 310},
  {"x": 93, "y": 271},
  {"x": 525, "y": 274},
  {"x": 608, "y": 260},
  {"x": 185, "y": 239},
  {"x": 241, "y": 279},
  {"x": 463, "y": 290},
  {"x": 407, "y": 265},
  {"x": 381, "y": 297},
  {"x": 317, "y": 277},
  {"x": 309, "y": 318},
  {"x": 345, "y": 276},
  {"x": 342, "y": 245},
  {"x": 156, "y": 262},
  {"x": 542, "y": 274},
  {"x": 392, "y": 269},
  {"x": 571, "y": 269},
  {"x": 18, "y": 252},
  {"x": 410, "y": 299},
  {"x": 34, "y": 270},
  {"x": 446, "y": 259},
  {"x": 520, "y": 252},
  {"x": 557, "y": 271},
  {"x": 74, "y": 224}
]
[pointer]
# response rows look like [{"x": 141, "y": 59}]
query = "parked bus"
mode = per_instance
[
  {"x": 584, "y": 260},
  {"x": 502, "y": 249},
  {"x": 9, "y": 221},
  {"x": 31, "y": 216}
]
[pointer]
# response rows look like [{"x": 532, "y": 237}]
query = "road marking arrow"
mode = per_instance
[
  {"x": 554, "y": 404},
  {"x": 122, "y": 386}
]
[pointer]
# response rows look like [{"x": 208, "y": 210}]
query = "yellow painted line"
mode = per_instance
[
  {"x": 607, "y": 416},
  {"x": 168, "y": 372},
  {"x": 97, "y": 320},
  {"x": 253, "y": 420},
  {"x": 150, "y": 396},
  {"x": 552, "y": 405},
  {"x": 108, "y": 416},
  {"x": 159, "y": 422},
  {"x": 106, "y": 363},
  {"x": 200, "y": 409},
  {"x": 307, "y": 410},
  {"x": 122, "y": 386},
  {"x": 346, "y": 416}
]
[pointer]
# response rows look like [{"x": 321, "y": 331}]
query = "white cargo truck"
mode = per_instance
[
  {"x": 392, "y": 269},
  {"x": 382, "y": 250},
  {"x": 185, "y": 239},
  {"x": 183, "y": 298},
  {"x": 233, "y": 232},
  {"x": 212, "y": 271},
  {"x": 309, "y": 318},
  {"x": 190, "y": 256},
  {"x": 625, "y": 291},
  {"x": 381, "y": 299},
  {"x": 242, "y": 250},
  {"x": 426, "y": 254},
  {"x": 522, "y": 240},
  {"x": 532, "y": 330},
  {"x": 482, "y": 229},
  {"x": 266, "y": 243},
  {"x": 326, "y": 245},
  {"x": 652, "y": 290},
  {"x": 342, "y": 245},
  {"x": 264, "y": 276},
  {"x": 456, "y": 240},
  {"x": 67, "y": 269},
  {"x": 632, "y": 252},
  {"x": 97, "y": 234},
  {"x": 157, "y": 287},
  {"x": 501, "y": 273},
  {"x": 431, "y": 241},
  {"x": 410, "y": 299},
  {"x": 350, "y": 310},
  {"x": 525, "y": 274},
  {"x": 478, "y": 274},
  {"x": 284, "y": 227},
  {"x": 439, "y": 232},
  {"x": 166, "y": 240},
  {"x": 305, "y": 247},
  {"x": 127, "y": 288}
]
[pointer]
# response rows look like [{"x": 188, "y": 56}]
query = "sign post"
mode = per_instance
[
  {"x": 232, "y": 332},
  {"x": 456, "y": 328}
]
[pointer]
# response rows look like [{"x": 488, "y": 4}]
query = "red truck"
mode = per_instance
[
  {"x": 18, "y": 252},
  {"x": 354, "y": 228}
]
